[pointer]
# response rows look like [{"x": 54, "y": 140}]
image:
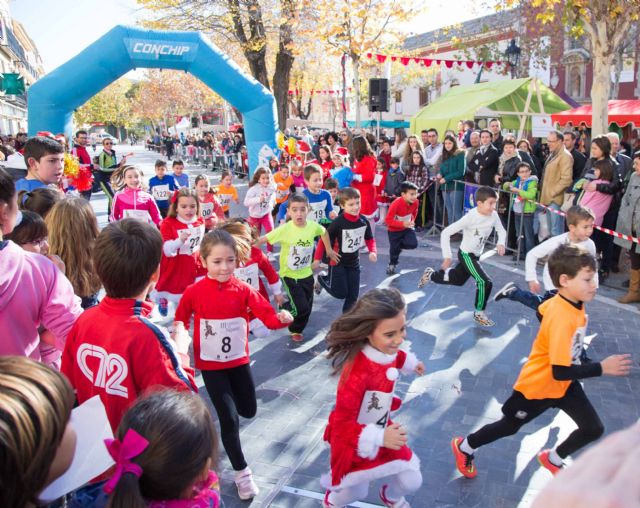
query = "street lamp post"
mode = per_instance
[{"x": 512, "y": 54}]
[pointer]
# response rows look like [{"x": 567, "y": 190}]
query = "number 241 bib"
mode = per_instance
[{"x": 223, "y": 340}]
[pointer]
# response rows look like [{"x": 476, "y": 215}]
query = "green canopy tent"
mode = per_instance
[
  {"x": 514, "y": 101},
  {"x": 384, "y": 124}
]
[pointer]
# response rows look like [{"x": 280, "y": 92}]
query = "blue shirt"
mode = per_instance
[
  {"x": 161, "y": 188},
  {"x": 344, "y": 175},
  {"x": 182, "y": 180},
  {"x": 322, "y": 196},
  {"x": 28, "y": 185}
]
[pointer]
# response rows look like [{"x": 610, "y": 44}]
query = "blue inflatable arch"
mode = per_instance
[{"x": 53, "y": 98}]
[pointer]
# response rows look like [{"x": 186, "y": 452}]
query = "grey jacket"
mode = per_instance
[{"x": 629, "y": 214}]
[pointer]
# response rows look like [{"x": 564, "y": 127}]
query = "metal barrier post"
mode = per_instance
[{"x": 435, "y": 229}]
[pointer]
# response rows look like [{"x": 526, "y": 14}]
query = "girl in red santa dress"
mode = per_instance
[{"x": 364, "y": 345}]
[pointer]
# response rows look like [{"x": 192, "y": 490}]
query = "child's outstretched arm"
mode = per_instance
[{"x": 331, "y": 254}]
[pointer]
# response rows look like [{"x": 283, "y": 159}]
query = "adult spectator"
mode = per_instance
[
  {"x": 432, "y": 157},
  {"x": 364, "y": 171},
  {"x": 470, "y": 153},
  {"x": 524, "y": 147},
  {"x": 80, "y": 151},
  {"x": 496, "y": 134},
  {"x": 469, "y": 126},
  {"x": 628, "y": 223},
  {"x": 509, "y": 161},
  {"x": 168, "y": 145},
  {"x": 484, "y": 165},
  {"x": 333, "y": 141},
  {"x": 400, "y": 143},
  {"x": 452, "y": 169},
  {"x": 432, "y": 151},
  {"x": 107, "y": 164},
  {"x": 346, "y": 141},
  {"x": 579, "y": 159},
  {"x": 624, "y": 162},
  {"x": 557, "y": 174},
  {"x": 21, "y": 139},
  {"x": 413, "y": 145}
]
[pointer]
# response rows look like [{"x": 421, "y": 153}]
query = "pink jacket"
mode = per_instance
[
  {"x": 33, "y": 292},
  {"x": 131, "y": 202},
  {"x": 599, "y": 202}
]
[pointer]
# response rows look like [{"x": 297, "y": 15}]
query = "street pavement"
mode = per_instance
[{"x": 470, "y": 371}]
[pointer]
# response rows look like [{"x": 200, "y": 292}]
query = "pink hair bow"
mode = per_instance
[{"x": 131, "y": 446}]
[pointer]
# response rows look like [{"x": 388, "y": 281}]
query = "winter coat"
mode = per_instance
[
  {"x": 527, "y": 190},
  {"x": 629, "y": 214},
  {"x": 453, "y": 169}
]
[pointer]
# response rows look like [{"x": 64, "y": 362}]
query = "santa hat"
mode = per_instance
[
  {"x": 46, "y": 134},
  {"x": 303, "y": 147},
  {"x": 342, "y": 151}
]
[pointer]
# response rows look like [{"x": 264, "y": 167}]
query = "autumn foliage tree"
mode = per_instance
[{"x": 111, "y": 106}]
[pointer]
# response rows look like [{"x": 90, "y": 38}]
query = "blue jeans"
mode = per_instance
[
  {"x": 556, "y": 224},
  {"x": 528, "y": 239},
  {"x": 529, "y": 299},
  {"x": 453, "y": 200}
]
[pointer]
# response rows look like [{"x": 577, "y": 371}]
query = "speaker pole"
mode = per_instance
[{"x": 343, "y": 63}]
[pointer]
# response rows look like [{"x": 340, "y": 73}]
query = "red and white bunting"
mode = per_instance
[{"x": 427, "y": 62}]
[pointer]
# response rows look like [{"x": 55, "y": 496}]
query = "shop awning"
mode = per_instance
[
  {"x": 621, "y": 112},
  {"x": 384, "y": 124}
]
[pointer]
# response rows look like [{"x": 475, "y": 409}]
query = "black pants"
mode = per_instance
[
  {"x": 605, "y": 242},
  {"x": 103, "y": 179},
  {"x": 399, "y": 241},
  {"x": 343, "y": 283},
  {"x": 163, "y": 212},
  {"x": 468, "y": 266},
  {"x": 300, "y": 293},
  {"x": 232, "y": 393},
  {"x": 519, "y": 410}
]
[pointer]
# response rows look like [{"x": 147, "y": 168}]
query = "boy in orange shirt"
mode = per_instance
[
  {"x": 284, "y": 183},
  {"x": 550, "y": 377},
  {"x": 227, "y": 192}
]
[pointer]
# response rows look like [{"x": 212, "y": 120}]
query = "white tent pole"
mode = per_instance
[{"x": 523, "y": 118}]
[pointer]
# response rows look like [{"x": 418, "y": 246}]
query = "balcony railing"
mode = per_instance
[{"x": 14, "y": 45}]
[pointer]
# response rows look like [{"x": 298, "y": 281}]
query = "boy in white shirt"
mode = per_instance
[
  {"x": 476, "y": 227},
  {"x": 580, "y": 223}
]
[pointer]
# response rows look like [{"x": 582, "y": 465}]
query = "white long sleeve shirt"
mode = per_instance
[
  {"x": 476, "y": 228},
  {"x": 546, "y": 248},
  {"x": 252, "y": 200}
]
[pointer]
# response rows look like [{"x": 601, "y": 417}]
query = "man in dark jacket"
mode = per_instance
[
  {"x": 496, "y": 133},
  {"x": 579, "y": 159},
  {"x": 484, "y": 165}
]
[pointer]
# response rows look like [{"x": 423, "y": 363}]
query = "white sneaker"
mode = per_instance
[
  {"x": 482, "y": 319},
  {"x": 426, "y": 276},
  {"x": 247, "y": 488},
  {"x": 505, "y": 291}
]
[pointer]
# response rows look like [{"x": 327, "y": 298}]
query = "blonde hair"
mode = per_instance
[
  {"x": 36, "y": 404},
  {"x": 243, "y": 233},
  {"x": 73, "y": 229},
  {"x": 117, "y": 178}
]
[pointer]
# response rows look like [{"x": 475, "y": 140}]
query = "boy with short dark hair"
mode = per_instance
[
  {"x": 347, "y": 233},
  {"x": 320, "y": 202},
  {"x": 551, "y": 376},
  {"x": 331, "y": 186},
  {"x": 162, "y": 187},
  {"x": 44, "y": 158},
  {"x": 476, "y": 227},
  {"x": 181, "y": 178},
  {"x": 113, "y": 350},
  {"x": 401, "y": 221},
  {"x": 395, "y": 177}
]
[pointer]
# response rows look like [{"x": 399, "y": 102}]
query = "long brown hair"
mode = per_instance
[
  {"x": 182, "y": 440},
  {"x": 408, "y": 151},
  {"x": 36, "y": 404},
  {"x": 243, "y": 233},
  {"x": 261, "y": 170},
  {"x": 185, "y": 192},
  {"x": 39, "y": 200},
  {"x": 349, "y": 333},
  {"x": 361, "y": 148},
  {"x": 117, "y": 177},
  {"x": 73, "y": 229}
]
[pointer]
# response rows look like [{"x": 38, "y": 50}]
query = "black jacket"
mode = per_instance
[
  {"x": 579, "y": 160},
  {"x": 484, "y": 167}
]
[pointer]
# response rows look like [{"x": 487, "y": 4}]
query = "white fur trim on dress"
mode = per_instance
[
  {"x": 378, "y": 356},
  {"x": 410, "y": 363},
  {"x": 369, "y": 475},
  {"x": 275, "y": 288},
  {"x": 370, "y": 440}
]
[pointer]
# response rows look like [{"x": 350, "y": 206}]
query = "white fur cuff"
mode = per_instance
[
  {"x": 410, "y": 363},
  {"x": 370, "y": 440}
]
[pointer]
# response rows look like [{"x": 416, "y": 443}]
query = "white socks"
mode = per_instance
[
  {"x": 555, "y": 459},
  {"x": 464, "y": 446}
]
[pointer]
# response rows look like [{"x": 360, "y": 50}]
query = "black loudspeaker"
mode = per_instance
[{"x": 378, "y": 94}]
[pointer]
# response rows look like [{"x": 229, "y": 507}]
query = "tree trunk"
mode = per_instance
[
  {"x": 355, "y": 60},
  {"x": 258, "y": 65},
  {"x": 615, "y": 86},
  {"x": 284, "y": 60},
  {"x": 600, "y": 92}
]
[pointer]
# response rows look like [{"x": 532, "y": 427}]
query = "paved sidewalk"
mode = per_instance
[{"x": 470, "y": 372}]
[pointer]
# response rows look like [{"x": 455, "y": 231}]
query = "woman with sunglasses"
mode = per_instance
[{"x": 108, "y": 162}]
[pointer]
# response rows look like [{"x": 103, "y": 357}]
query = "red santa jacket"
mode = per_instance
[
  {"x": 249, "y": 272},
  {"x": 222, "y": 312},
  {"x": 114, "y": 351},
  {"x": 356, "y": 426},
  {"x": 180, "y": 268},
  {"x": 366, "y": 168}
]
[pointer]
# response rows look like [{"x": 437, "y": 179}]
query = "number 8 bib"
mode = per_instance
[{"x": 223, "y": 340}]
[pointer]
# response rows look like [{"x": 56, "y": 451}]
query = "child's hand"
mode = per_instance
[
  {"x": 285, "y": 316},
  {"x": 315, "y": 265},
  {"x": 420, "y": 370},
  {"x": 373, "y": 257},
  {"x": 496, "y": 178},
  {"x": 500, "y": 250},
  {"x": 442, "y": 181},
  {"x": 446, "y": 264},
  {"x": 279, "y": 299},
  {"x": 534, "y": 287},
  {"x": 395, "y": 437},
  {"x": 357, "y": 178},
  {"x": 333, "y": 256},
  {"x": 181, "y": 337},
  {"x": 409, "y": 224},
  {"x": 183, "y": 236},
  {"x": 333, "y": 215},
  {"x": 616, "y": 365}
]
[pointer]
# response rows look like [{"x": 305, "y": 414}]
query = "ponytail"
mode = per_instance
[{"x": 127, "y": 493}]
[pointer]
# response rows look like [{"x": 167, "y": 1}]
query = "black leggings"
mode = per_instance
[
  {"x": 232, "y": 393},
  {"x": 519, "y": 410},
  {"x": 342, "y": 282},
  {"x": 468, "y": 266}
]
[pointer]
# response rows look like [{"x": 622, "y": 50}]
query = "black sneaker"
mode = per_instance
[
  {"x": 505, "y": 292},
  {"x": 391, "y": 269}
]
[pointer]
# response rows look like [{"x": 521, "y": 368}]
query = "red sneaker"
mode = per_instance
[
  {"x": 297, "y": 337},
  {"x": 400, "y": 503},
  {"x": 543, "y": 458},
  {"x": 326, "y": 503},
  {"x": 464, "y": 461}
]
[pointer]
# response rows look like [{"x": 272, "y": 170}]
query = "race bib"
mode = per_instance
[
  {"x": 375, "y": 408},
  {"x": 299, "y": 257},
  {"x": 404, "y": 218},
  {"x": 141, "y": 215},
  {"x": 222, "y": 340},
  {"x": 353, "y": 239},
  {"x": 225, "y": 199},
  {"x": 248, "y": 274},
  {"x": 282, "y": 194},
  {"x": 192, "y": 244},
  {"x": 377, "y": 179},
  {"x": 299, "y": 189},
  {"x": 160, "y": 192},
  {"x": 577, "y": 343},
  {"x": 206, "y": 210},
  {"x": 316, "y": 212}
]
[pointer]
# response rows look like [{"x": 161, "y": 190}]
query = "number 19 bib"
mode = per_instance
[
  {"x": 299, "y": 257},
  {"x": 317, "y": 211},
  {"x": 222, "y": 340}
]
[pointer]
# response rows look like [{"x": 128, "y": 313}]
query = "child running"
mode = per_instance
[
  {"x": 580, "y": 224},
  {"x": 476, "y": 227},
  {"x": 297, "y": 175},
  {"x": 401, "y": 221},
  {"x": 348, "y": 233},
  {"x": 297, "y": 238},
  {"x": 551, "y": 376},
  {"x": 364, "y": 347},
  {"x": 162, "y": 187},
  {"x": 182, "y": 233},
  {"x": 181, "y": 178},
  {"x": 210, "y": 210},
  {"x": 220, "y": 343},
  {"x": 130, "y": 201},
  {"x": 227, "y": 192},
  {"x": 284, "y": 185},
  {"x": 319, "y": 200},
  {"x": 261, "y": 200},
  {"x": 160, "y": 431}
]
